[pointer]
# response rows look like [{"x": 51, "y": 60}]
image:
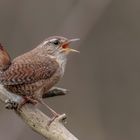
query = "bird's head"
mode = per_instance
[{"x": 57, "y": 45}]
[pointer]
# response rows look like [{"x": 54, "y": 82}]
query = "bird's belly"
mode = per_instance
[{"x": 25, "y": 89}]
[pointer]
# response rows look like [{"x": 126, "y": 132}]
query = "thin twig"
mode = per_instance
[{"x": 37, "y": 120}]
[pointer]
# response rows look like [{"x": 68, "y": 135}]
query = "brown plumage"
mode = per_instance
[
  {"x": 5, "y": 59},
  {"x": 28, "y": 73},
  {"x": 40, "y": 69}
]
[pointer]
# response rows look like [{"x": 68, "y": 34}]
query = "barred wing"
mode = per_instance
[{"x": 26, "y": 73}]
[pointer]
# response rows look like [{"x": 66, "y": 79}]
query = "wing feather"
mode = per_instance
[{"x": 26, "y": 73}]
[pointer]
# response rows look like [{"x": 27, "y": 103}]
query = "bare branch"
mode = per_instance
[{"x": 37, "y": 120}]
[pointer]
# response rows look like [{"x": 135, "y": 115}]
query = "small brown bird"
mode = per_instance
[{"x": 37, "y": 71}]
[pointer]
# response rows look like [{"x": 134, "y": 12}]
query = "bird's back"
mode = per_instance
[{"x": 30, "y": 72}]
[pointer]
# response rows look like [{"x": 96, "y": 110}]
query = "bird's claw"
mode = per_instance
[
  {"x": 57, "y": 118},
  {"x": 52, "y": 119},
  {"x": 62, "y": 118},
  {"x": 10, "y": 104}
]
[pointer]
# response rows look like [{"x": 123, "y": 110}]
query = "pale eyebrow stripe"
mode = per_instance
[
  {"x": 45, "y": 42},
  {"x": 53, "y": 39}
]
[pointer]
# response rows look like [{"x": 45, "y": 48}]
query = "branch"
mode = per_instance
[{"x": 37, "y": 120}]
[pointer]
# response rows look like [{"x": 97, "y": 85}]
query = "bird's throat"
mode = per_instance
[{"x": 62, "y": 60}]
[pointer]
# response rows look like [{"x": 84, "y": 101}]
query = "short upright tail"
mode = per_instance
[{"x": 5, "y": 60}]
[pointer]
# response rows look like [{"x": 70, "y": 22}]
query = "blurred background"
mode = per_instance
[{"x": 103, "y": 79}]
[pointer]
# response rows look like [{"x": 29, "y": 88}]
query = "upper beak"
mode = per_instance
[
  {"x": 73, "y": 40},
  {"x": 66, "y": 44}
]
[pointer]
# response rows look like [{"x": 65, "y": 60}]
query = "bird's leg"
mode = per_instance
[
  {"x": 10, "y": 104},
  {"x": 27, "y": 99},
  {"x": 55, "y": 114},
  {"x": 47, "y": 106}
]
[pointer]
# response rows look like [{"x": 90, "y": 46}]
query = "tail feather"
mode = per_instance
[{"x": 5, "y": 60}]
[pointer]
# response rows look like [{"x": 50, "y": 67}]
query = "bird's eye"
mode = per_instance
[{"x": 56, "y": 42}]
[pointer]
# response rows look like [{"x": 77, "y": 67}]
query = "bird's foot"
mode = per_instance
[
  {"x": 27, "y": 99},
  {"x": 10, "y": 104},
  {"x": 52, "y": 119},
  {"x": 57, "y": 118},
  {"x": 55, "y": 114}
]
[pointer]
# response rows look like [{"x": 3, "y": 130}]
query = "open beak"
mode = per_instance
[{"x": 66, "y": 45}]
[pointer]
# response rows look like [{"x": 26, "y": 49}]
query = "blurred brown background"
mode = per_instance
[{"x": 104, "y": 79}]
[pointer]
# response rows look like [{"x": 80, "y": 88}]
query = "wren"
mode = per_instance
[{"x": 37, "y": 71}]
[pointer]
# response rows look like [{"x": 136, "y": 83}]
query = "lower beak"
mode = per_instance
[
  {"x": 72, "y": 50},
  {"x": 66, "y": 45}
]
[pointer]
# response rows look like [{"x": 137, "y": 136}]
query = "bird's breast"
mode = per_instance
[{"x": 62, "y": 64}]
